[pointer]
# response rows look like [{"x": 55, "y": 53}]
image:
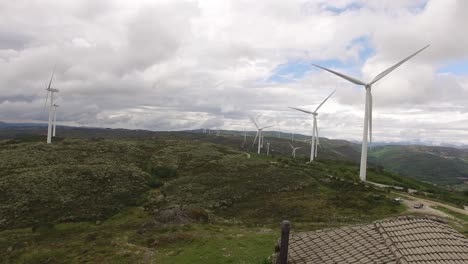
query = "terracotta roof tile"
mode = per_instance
[{"x": 410, "y": 240}]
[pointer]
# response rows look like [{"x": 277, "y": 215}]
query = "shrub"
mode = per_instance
[{"x": 163, "y": 172}]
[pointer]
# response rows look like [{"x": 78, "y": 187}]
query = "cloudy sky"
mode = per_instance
[{"x": 172, "y": 65}]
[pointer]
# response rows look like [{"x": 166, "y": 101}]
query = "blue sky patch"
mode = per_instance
[
  {"x": 457, "y": 67},
  {"x": 293, "y": 70},
  {"x": 297, "y": 69},
  {"x": 339, "y": 10},
  {"x": 366, "y": 49},
  {"x": 290, "y": 71}
]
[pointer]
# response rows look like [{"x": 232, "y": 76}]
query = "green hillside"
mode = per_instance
[
  {"x": 432, "y": 164},
  {"x": 440, "y": 165},
  {"x": 174, "y": 198},
  {"x": 154, "y": 194}
]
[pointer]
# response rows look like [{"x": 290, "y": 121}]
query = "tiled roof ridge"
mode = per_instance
[
  {"x": 413, "y": 217},
  {"x": 401, "y": 259},
  {"x": 389, "y": 243}
]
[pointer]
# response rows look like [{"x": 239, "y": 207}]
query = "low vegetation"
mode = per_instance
[{"x": 171, "y": 199}]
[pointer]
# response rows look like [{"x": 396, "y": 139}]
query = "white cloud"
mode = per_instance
[{"x": 183, "y": 64}]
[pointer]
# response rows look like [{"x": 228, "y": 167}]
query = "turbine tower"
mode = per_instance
[
  {"x": 51, "y": 91},
  {"x": 259, "y": 135},
  {"x": 313, "y": 148},
  {"x": 55, "y": 118},
  {"x": 293, "y": 154},
  {"x": 367, "y": 134}
]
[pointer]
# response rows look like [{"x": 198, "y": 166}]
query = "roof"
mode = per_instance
[{"x": 407, "y": 239}]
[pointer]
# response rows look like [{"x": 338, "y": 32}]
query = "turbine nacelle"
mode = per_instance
[{"x": 52, "y": 90}]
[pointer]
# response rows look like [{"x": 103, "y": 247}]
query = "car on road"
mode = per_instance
[{"x": 418, "y": 206}]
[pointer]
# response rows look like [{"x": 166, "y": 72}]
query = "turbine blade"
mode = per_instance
[
  {"x": 351, "y": 79},
  {"x": 51, "y": 77},
  {"x": 48, "y": 86},
  {"x": 389, "y": 70},
  {"x": 47, "y": 97},
  {"x": 258, "y": 116},
  {"x": 255, "y": 123},
  {"x": 291, "y": 145},
  {"x": 370, "y": 118},
  {"x": 298, "y": 109},
  {"x": 324, "y": 101},
  {"x": 255, "y": 140},
  {"x": 266, "y": 127}
]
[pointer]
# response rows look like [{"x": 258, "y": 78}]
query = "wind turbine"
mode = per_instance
[
  {"x": 313, "y": 148},
  {"x": 259, "y": 135},
  {"x": 268, "y": 148},
  {"x": 51, "y": 91},
  {"x": 368, "y": 106},
  {"x": 294, "y": 150},
  {"x": 55, "y": 118}
]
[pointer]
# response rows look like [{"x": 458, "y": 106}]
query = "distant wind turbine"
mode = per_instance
[
  {"x": 51, "y": 91},
  {"x": 368, "y": 106},
  {"x": 294, "y": 150},
  {"x": 313, "y": 148},
  {"x": 259, "y": 135}
]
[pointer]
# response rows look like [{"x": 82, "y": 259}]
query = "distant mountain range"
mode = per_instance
[
  {"x": 435, "y": 164},
  {"x": 10, "y": 125}
]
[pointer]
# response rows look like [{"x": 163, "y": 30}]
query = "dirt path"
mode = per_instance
[
  {"x": 429, "y": 203},
  {"x": 427, "y": 209}
]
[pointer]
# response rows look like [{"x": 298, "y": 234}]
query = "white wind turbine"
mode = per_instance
[
  {"x": 259, "y": 135},
  {"x": 294, "y": 150},
  {"x": 51, "y": 91},
  {"x": 55, "y": 118},
  {"x": 368, "y": 107},
  {"x": 314, "y": 143}
]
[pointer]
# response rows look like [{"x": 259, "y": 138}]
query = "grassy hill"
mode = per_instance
[
  {"x": 175, "y": 198},
  {"x": 120, "y": 201},
  {"x": 433, "y": 164},
  {"x": 439, "y": 165}
]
